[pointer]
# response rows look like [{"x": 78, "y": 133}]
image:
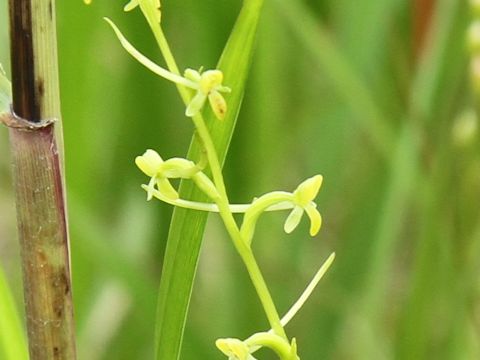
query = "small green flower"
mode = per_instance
[
  {"x": 303, "y": 198},
  {"x": 235, "y": 349},
  {"x": 152, "y": 165},
  {"x": 208, "y": 85}
]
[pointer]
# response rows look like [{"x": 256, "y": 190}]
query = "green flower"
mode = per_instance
[
  {"x": 303, "y": 198},
  {"x": 208, "y": 85},
  {"x": 152, "y": 165}
]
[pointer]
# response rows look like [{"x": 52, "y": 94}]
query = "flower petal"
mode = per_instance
[
  {"x": 315, "y": 219},
  {"x": 218, "y": 104},
  {"x": 210, "y": 80},
  {"x": 293, "y": 219},
  {"x": 196, "y": 104},
  {"x": 308, "y": 190},
  {"x": 151, "y": 188},
  {"x": 167, "y": 189},
  {"x": 178, "y": 168},
  {"x": 150, "y": 162}
]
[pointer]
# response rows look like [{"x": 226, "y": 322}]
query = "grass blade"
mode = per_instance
[
  {"x": 343, "y": 77},
  {"x": 187, "y": 227}
]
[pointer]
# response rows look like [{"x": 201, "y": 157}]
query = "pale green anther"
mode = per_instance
[{"x": 5, "y": 92}]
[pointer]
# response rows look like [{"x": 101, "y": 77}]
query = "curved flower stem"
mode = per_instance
[
  {"x": 213, "y": 207},
  {"x": 223, "y": 202},
  {"x": 258, "y": 206},
  {"x": 271, "y": 341}
]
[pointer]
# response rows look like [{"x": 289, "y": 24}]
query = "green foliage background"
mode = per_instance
[{"x": 336, "y": 89}]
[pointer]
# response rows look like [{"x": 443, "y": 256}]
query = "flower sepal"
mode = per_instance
[{"x": 303, "y": 197}]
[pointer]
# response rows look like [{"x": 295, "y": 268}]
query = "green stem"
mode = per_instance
[
  {"x": 240, "y": 244},
  {"x": 212, "y": 207},
  {"x": 271, "y": 341},
  {"x": 223, "y": 202}
]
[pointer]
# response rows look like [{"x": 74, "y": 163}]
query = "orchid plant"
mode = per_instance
[{"x": 195, "y": 88}]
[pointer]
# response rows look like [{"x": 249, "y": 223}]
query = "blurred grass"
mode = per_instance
[{"x": 401, "y": 210}]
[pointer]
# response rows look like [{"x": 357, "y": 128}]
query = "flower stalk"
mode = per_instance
[{"x": 195, "y": 88}]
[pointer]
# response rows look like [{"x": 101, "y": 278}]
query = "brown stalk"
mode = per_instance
[{"x": 37, "y": 155}]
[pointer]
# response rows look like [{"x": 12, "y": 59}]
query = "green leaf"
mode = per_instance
[
  {"x": 12, "y": 337},
  {"x": 187, "y": 227},
  {"x": 343, "y": 77}
]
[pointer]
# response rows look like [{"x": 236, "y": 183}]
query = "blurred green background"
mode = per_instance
[{"x": 373, "y": 94}]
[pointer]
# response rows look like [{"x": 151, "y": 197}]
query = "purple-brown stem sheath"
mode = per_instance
[{"x": 37, "y": 156}]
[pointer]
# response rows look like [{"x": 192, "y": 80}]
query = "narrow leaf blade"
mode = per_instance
[{"x": 187, "y": 226}]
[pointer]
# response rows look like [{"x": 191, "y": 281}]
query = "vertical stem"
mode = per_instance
[
  {"x": 223, "y": 202},
  {"x": 37, "y": 154}
]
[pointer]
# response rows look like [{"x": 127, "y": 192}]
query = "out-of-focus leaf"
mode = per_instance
[
  {"x": 12, "y": 337},
  {"x": 342, "y": 75}
]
